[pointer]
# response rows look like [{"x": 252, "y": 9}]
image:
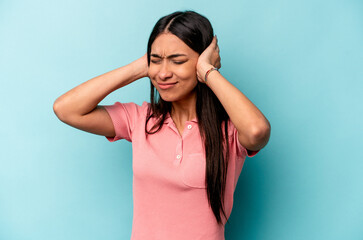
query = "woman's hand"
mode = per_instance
[
  {"x": 140, "y": 67},
  {"x": 208, "y": 59}
]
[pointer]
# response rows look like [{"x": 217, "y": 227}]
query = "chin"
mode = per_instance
[{"x": 167, "y": 98}]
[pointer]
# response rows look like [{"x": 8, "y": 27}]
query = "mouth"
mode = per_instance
[{"x": 165, "y": 86}]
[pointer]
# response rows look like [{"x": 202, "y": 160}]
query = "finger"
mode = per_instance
[
  {"x": 213, "y": 44},
  {"x": 218, "y": 65}
]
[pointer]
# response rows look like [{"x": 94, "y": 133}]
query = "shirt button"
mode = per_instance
[
  {"x": 189, "y": 126},
  {"x": 178, "y": 156}
]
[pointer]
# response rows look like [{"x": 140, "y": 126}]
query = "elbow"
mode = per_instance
[
  {"x": 57, "y": 109},
  {"x": 259, "y": 136}
]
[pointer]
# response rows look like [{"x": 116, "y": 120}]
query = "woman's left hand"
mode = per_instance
[{"x": 208, "y": 59}]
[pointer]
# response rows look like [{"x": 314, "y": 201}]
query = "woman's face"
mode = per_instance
[{"x": 172, "y": 68}]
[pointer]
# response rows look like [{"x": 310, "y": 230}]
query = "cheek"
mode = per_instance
[
  {"x": 152, "y": 74},
  {"x": 187, "y": 71}
]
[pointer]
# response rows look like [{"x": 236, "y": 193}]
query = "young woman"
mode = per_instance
[{"x": 190, "y": 141}]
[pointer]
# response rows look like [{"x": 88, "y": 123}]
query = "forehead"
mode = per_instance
[{"x": 167, "y": 43}]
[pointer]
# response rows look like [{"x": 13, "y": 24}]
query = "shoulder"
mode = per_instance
[{"x": 131, "y": 107}]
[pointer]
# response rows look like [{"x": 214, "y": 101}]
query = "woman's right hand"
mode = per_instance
[{"x": 141, "y": 67}]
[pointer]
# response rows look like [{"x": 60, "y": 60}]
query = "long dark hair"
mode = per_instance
[{"x": 197, "y": 32}]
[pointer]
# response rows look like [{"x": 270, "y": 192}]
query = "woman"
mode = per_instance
[{"x": 189, "y": 142}]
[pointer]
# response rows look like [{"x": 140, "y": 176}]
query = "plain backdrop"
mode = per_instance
[{"x": 299, "y": 61}]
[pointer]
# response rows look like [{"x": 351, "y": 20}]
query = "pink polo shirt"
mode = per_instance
[{"x": 169, "y": 193}]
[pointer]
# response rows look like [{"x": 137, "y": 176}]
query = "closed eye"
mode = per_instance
[
  {"x": 155, "y": 61},
  {"x": 159, "y": 61},
  {"x": 179, "y": 62}
]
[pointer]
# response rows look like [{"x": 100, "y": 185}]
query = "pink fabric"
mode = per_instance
[{"x": 169, "y": 193}]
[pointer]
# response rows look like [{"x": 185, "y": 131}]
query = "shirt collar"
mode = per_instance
[{"x": 168, "y": 119}]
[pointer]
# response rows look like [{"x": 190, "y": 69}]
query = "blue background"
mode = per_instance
[{"x": 299, "y": 61}]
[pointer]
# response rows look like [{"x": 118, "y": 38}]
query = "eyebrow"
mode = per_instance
[{"x": 170, "y": 56}]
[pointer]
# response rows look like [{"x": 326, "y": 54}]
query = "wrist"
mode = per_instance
[
  {"x": 202, "y": 69},
  {"x": 138, "y": 70},
  {"x": 212, "y": 69}
]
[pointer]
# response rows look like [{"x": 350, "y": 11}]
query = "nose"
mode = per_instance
[{"x": 165, "y": 72}]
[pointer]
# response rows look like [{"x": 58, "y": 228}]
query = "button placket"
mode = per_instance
[{"x": 178, "y": 152}]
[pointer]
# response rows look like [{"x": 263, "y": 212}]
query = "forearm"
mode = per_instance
[
  {"x": 85, "y": 97},
  {"x": 252, "y": 126}
]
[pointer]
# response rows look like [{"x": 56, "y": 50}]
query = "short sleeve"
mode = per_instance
[
  {"x": 233, "y": 135},
  {"x": 124, "y": 117}
]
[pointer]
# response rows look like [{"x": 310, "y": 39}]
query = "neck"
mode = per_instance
[{"x": 184, "y": 110}]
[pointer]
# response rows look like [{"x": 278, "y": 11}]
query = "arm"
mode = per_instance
[
  {"x": 78, "y": 107},
  {"x": 252, "y": 126}
]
